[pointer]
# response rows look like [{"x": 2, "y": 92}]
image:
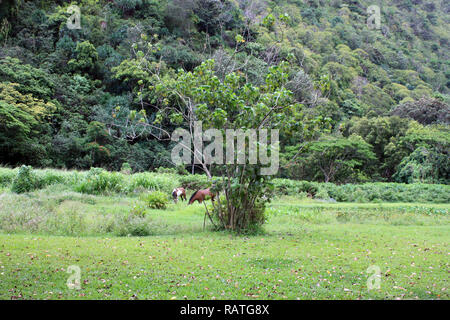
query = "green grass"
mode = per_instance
[
  {"x": 310, "y": 250},
  {"x": 101, "y": 182}
]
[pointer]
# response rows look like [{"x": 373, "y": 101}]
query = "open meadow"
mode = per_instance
[{"x": 308, "y": 249}]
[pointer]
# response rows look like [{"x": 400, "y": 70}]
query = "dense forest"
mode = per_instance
[{"x": 81, "y": 97}]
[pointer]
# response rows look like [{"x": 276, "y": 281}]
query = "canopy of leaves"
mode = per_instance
[{"x": 355, "y": 79}]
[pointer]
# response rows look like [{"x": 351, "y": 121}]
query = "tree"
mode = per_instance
[
  {"x": 383, "y": 134},
  {"x": 86, "y": 57},
  {"x": 231, "y": 104},
  {"x": 425, "y": 111},
  {"x": 339, "y": 159},
  {"x": 424, "y": 165},
  {"x": 434, "y": 139},
  {"x": 22, "y": 119},
  {"x": 128, "y": 6},
  {"x": 30, "y": 80}
]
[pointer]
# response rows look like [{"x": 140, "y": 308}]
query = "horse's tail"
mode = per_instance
[
  {"x": 174, "y": 193},
  {"x": 190, "y": 199}
]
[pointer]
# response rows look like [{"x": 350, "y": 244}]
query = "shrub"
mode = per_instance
[
  {"x": 132, "y": 226},
  {"x": 309, "y": 187},
  {"x": 388, "y": 192},
  {"x": 154, "y": 182},
  {"x": 6, "y": 176},
  {"x": 25, "y": 180},
  {"x": 194, "y": 181},
  {"x": 166, "y": 170},
  {"x": 126, "y": 168},
  {"x": 156, "y": 200},
  {"x": 49, "y": 177},
  {"x": 99, "y": 181},
  {"x": 220, "y": 216},
  {"x": 293, "y": 187},
  {"x": 322, "y": 194},
  {"x": 181, "y": 170},
  {"x": 138, "y": 210},
  {"x": 142, "y": 181}
]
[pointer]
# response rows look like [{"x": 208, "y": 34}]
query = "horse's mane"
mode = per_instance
[{"x": 193, "y": 195}]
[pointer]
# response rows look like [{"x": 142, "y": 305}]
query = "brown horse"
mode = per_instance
[
  {"x": 178, "y": 192},
  {"x": 200, "y": 196}
]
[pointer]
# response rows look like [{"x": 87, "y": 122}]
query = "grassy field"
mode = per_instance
[{"x": 309, "y": 250}]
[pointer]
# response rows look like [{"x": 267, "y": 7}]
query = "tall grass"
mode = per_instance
[
  {"x": 57, "y": 210},
  {"x": 6, "y": 176},
  {"x": 101, "y": 182}
]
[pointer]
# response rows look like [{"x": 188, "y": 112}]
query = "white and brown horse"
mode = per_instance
[{"x": 178, "y": 192}]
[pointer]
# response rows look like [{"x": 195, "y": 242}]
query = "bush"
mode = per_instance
[
  {"x": 154, "y": 182},
  {"x": 181, "y": 170},
  {"x": 49, "y": 177},
  {"x": 99, "y": 181},
  {"x": 138, "y": 210},
  {"x": 156, "y": 200},
  {"x": 294, "y": 187},
  {"x": 132, "y": 226},
  {"x": 322, "y": 194},
  {"x": 194, "y": 182},
  {"x": 7, "y": 176},
  {"x": 255, "y": 219},
  {"x": 311, "y": 188},
  {"x": 126, "y": 168},
  {"x": 25, "y": 180},
  {"x": 389, "y": 192},
  {"x": 374, "y": 192}
]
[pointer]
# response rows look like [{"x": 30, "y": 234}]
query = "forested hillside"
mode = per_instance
[{"x": 88, "y": 97}]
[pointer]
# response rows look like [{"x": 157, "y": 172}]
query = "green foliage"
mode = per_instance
[
  {"x": 25, "y": 180},
  {"x": 231, "y": 102},
  {"x": 22, "y": 120},
  {"x": 383, "y": 134},
  {"x": 153, "y": 182},
  {"x": 138, "y": 209},
  {"x": 126, "y": 168},
  {"x": 424, "y": 166},
  {"x": 367, "y": 192},
  {"x": 64, "y": 85},
  {"x": 155, "y": 200},
  {"x": 426, "y": 111},
  {"x": 128, "y": 6},
  {"x": 388, "y": 192},
  {"x": 132, "y": 226},
  {"x": 30, "y": 80},
  {"x": 6, "y": 176},
  {"x": 86, "y": 57},
  {"x": 180, "y": 169},
  {"x": 331, "y": 159},
  {"x": 194, "y": 181},
  {"x": 99, "y": 181}
]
